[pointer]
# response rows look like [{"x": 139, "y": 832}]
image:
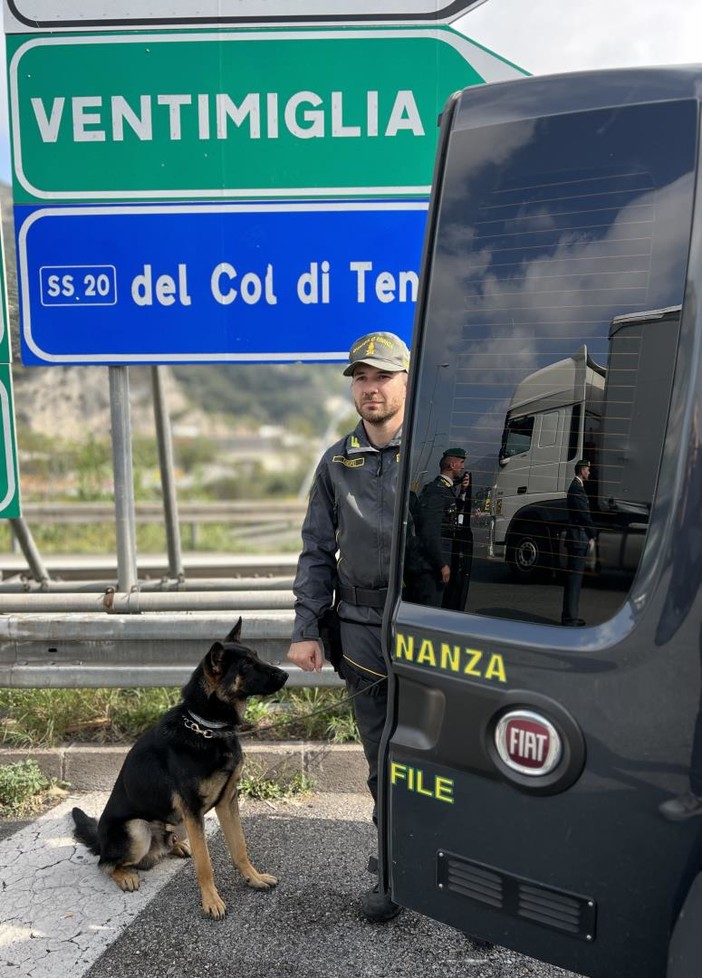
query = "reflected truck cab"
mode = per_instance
[
  {"x": 576, "y": 408},
  {"x": 542, "y": 784}
]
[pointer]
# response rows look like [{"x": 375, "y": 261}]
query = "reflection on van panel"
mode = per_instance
[{"x": 615, "y": 417}]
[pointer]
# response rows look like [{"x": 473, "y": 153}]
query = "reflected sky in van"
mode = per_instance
[{"x": 547, "y": 232}]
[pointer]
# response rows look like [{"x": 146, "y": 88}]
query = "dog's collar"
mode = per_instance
[{"x": 206, "y": 728}]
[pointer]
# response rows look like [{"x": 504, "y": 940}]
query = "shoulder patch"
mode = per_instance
[{"x": 350, "y": 463}]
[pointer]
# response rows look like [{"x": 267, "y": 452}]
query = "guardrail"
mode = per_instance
[
  {"x": 159, "y": 649},
  {"x": 153, "y": 568},
  {"x": 74, "y": 627},
  {"x": 237, "y": 512}
]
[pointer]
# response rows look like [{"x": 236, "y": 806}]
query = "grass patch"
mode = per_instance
[
  {"x": 256, "y": 782},
  {"x": 24, "y": 790},
  {"x": 49, "y": 717},
  {"x": 100, "y": 538},
  {"x": 35, "y": 718},
  {"x": 308, "y": 713}
]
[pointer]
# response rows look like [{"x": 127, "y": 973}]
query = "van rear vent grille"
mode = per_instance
[{"x": 568, "y": 913}]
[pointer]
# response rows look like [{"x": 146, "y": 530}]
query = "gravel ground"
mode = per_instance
[{"x": 309, "y": 926}]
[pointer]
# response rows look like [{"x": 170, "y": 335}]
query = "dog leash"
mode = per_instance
[
  {"x": 216, "y": 728},
  {"x": 316, "y": 756},
  {"x": 286, "y": 721}
]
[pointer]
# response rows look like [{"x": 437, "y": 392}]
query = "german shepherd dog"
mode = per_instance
[{"x": 189, "y": 763}]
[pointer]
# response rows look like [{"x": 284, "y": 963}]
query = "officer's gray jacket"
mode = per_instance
[{"x": 347, "y": 532}]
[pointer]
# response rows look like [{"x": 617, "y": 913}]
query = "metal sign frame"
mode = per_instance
[{"x": 22, "y": 16}]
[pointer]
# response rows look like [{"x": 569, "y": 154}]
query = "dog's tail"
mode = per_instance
[{"x": 85, "y": 830}]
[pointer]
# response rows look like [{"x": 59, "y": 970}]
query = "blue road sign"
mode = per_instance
[{"x": 214, "y": 283}]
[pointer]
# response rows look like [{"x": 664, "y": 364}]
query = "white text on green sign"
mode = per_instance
[{"x": 241, "y": 114}]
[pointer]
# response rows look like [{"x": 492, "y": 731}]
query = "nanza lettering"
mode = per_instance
[
  {"x": 258, "y": 115},
  {"x": 451, "y": 658},
  {"x": 416, "y": 780}
]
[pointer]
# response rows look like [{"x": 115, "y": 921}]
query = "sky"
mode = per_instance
[{"x": 546, "y": 36}]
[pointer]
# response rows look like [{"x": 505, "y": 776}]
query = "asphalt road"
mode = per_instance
[
  {"x": 492, "y": 591},
  {"x": 61, "y": 917}
]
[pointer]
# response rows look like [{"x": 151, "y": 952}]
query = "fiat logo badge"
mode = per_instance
[{"x": 528, "y": 743}]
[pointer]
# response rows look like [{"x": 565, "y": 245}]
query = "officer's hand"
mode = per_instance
[
  {"x": 445, "y": 574},
  {"x": 307, "y": 655}
]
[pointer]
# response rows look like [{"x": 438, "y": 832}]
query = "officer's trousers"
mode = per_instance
[
  {"x": 575, "y": 568},
  {"x": 363, "y": 669}
]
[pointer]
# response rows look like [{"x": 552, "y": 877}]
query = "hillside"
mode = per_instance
[{"x": 210, "y": 399}]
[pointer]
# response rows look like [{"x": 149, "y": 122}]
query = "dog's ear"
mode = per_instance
[
  {"x": 214, "y": 661},
  {"x": 235, "y": 634}
]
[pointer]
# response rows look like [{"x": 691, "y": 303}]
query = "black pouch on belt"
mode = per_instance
[{"x": 330, "y": 634}]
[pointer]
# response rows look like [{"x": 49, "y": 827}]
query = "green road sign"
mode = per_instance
[
  {"x": 9, "y": 482},
  {"x": 5, "y": 348},
  {"x": 265, "y": 114}
]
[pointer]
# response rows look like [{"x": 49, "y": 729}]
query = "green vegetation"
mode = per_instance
[
  {"x": 69, "y": 471},
  {"x": 35, "y": 718},
  {"x": 24, "y": 789},
  {"x": 100, "y": 538},
  {"x": 40, "y": 718},
  {"x": 256, "y": 782},
  {"x": 49, "y": 717},
  {"x": 314, "y": 713},
  {"x": 288, "y": 394}
]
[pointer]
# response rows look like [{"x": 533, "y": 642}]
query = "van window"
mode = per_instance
[{"x": 555, "y": 290}]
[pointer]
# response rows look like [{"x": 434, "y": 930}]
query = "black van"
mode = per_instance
[{"x": 543, "y": 781}]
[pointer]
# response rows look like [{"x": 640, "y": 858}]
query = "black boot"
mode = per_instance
[{"x": 377, "y": 907}]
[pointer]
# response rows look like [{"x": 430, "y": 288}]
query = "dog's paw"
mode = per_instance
[
  {"x": 126, "y": 879},
  {"x": 214, "y": 906},
  {"x": 181, "y": 849},
  {"x": 261, "y": 881}
]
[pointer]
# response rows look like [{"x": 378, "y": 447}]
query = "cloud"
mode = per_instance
[{"x": 546, "y": 36}]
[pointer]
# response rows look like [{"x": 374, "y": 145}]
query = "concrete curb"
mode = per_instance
[{"x": 332, "y": 767}]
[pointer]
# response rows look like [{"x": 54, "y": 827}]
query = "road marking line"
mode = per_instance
[{"x": 59, "y": 914}]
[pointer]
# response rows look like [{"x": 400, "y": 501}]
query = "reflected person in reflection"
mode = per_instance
[
  {"x": 436, "y": 520},
  {"x": 581, "y": 531},
  {"x": 456, "y": 593}
]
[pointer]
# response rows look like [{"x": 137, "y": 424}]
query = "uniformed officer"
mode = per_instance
[
  {"x": 456, "y": 593},
  {"x": 347, "y": 539},
  {"x": 436, "y": 521}
]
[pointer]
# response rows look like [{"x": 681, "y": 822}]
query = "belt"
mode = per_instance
[{"x": 367, "y": 597}]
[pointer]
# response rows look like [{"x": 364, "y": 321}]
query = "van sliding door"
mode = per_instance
[{"x": 525, "y": 761}]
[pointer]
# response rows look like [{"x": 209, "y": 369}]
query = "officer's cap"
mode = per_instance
[
  {"x": 581, "y": 463},
  {"x": 385, "y": 351},
  {"x": 455, "y": 453}
]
